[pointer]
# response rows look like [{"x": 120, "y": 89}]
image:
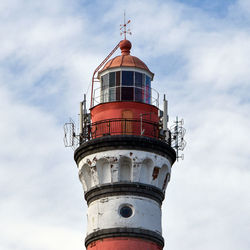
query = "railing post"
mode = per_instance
[
  {"x": 141, "y": 123},
  {"x": 125, "y": 126}
]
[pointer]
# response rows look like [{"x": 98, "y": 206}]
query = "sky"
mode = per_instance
[{"x": 199, "y": 52}]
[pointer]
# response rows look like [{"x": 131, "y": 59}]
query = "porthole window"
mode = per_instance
[{"x": 126, "y": 211}]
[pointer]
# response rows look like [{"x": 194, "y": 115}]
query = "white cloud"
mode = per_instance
[
  {"x": 221, "y": 60},
  {"x": 34, "y": 172},
  {"x": 28, "y": 235}
]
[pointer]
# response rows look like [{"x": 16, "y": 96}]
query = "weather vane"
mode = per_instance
[{"x": 123, "y": 27}]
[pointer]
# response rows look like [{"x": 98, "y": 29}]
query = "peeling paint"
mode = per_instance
[
  {"x": 104, "y": 200},
  {"x": 93, "y": 244},
  {"x": 166, "y": 181},
  {"x": 155, "y": 172},
  {"x": 140, "y": 170}
]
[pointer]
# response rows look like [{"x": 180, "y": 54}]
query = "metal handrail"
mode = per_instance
[
  {"x": 97, "y": 69},
  {"x": 119, "y": 126},
  {"x": 104, "y": 97}
]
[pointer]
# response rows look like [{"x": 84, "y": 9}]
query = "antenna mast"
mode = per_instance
[{"x": 177, "y": 137}]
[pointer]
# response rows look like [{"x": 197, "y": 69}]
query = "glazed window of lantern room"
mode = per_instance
[{"x": 125, "y": 86}]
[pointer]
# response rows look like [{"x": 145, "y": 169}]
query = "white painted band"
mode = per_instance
[{"x": 105, "y": 213}]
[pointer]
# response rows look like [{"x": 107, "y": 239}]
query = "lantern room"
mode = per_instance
[
  {"x": 124, "y": 102},
  {"x": 125, "y": 85}
]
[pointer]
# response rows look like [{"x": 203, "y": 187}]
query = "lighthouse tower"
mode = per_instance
[{"x": 124, "y": 156}]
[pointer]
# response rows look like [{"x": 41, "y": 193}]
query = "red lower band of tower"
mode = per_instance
[{"x": 123, "y": 243}]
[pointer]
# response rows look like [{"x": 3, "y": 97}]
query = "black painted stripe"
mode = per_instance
[
  {"x": 124, "y": 188},
  {"x": 132, "y": 142},
  {"x": 125, "y": 232}
]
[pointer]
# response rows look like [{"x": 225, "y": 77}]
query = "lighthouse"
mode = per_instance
[{"x": 124, "y": 154}]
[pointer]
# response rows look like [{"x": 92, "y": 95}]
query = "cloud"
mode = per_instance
[{"x": 34, "y": 166}]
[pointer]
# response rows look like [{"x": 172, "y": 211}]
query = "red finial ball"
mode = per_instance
[{"x": 125, "y": 46}]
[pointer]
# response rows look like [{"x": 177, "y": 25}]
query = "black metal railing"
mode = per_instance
[{"x": 122, "y": 126}]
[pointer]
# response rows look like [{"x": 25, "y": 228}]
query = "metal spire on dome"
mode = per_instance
[{"x": 123, "y": 27}]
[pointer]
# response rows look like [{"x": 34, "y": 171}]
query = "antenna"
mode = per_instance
[
  {"x": 177, "y": 137},
  {"x": 71, "y": 139},
  {"x": 123, "y": 27}
]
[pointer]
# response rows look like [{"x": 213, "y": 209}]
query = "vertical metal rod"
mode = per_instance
[
  {"x": 165, "y": 113},
  {"x": 141, "y": 123},
  {"x": 81, "y": 119},
  {"x": 84, "y": 104},
  {"x": 85, "y": 120},
  {"x": 177, "y": 136}
]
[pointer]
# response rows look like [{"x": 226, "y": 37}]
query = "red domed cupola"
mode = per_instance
[{"x": 125, "y": 60}]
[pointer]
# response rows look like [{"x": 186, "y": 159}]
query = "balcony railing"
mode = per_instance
[
  {"x": 126, "y": 93},
  {"x": 124, "y": 127}
]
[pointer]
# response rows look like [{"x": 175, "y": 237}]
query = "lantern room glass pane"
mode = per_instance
[
  {"x": 105, "y": 95},
  {"x": 112, "y": 79},
  {"x": 105, "y": 81},
  {"x": 127, "y": 94},
  {"x": 148, "y": 90},
  {"x": 143, "y": 80},
  {"x": 127, "y": 78},
  {"x": 138, "y": 79},
  {"x": 118, "y": 89},
  {"x": 143, "y": 87},
  {"x": 138, "y": 95},
  {"x": 118, "y": 75},
  {"x": 112, "y": 95}
]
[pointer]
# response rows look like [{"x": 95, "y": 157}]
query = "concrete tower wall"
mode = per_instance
[
  {"x": 124, "y": 165},
  {"x": 133, "y": 177}
]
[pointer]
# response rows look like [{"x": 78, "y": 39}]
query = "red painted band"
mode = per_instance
[{"x": 123, "y": 243}]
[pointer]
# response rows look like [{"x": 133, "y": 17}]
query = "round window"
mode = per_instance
[{"x": 126, "y": 211}]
